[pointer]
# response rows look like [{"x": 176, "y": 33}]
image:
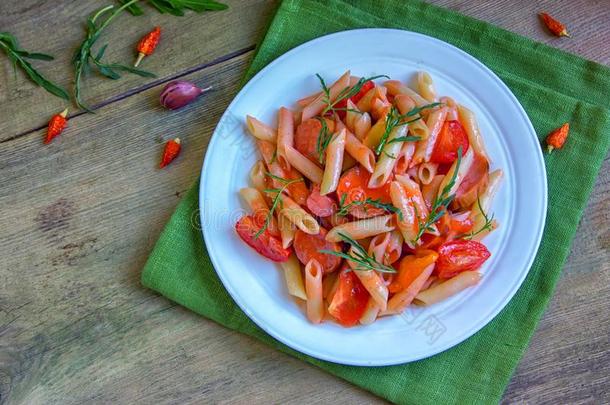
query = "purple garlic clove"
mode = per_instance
[{"x": 179, "y": 93}]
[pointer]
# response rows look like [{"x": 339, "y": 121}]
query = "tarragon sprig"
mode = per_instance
[
  {"x": 276, "y": 199},
  {"x": 177, "y": 7},
  {"x": 18, "y": 56},
  {"x": 395, "y": 119},
  {"x": 440, "y": 203},
  {"x": 344, "y": 208},
  {"x": 487, "y": 226},
  {"x": 359, "y": 256},
  {"x": 84, "y": 58},
  {"x": 323, "y": 140},
  {"x": 344, "y": 94}
]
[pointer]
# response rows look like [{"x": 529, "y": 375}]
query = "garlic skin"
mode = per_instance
[{"x": 179, "y": 93}]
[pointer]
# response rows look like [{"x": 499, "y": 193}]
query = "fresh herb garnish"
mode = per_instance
[
  {"x": 177, "y": 7},
  {"x": 18, "y": 57},
  {"x": 324, "y": 138},
  {"x": 395, "y": 119},
  {"x": 277, "y": 199},
  {"x": 487, "y": 226},
  {"x": 344, "y": 94},
  {"x": 377, "y": 203},
  {"x": 359, "y": 256},
  {"x": 439, "y": 205},
  {"x": 273, "y": 157},
  {"x": 84, "y": 59}
]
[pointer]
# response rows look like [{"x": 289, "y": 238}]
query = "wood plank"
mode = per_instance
[
  {"x": 56, "y": 28},
  {"x": 76, "y": 323}
]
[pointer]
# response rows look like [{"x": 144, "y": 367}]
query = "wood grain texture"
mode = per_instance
[
  {"x": 80, "y": 216},
  {"x": 188, "y": 43}
]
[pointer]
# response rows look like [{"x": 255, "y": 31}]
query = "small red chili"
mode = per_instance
[
  {"x": 172, "y": 149},
  {"x": 147, "y": 44},
  {"x": 57, "y": 123},
  {"x": 556, "y": 27},
  {"x": 557, "y": 138}
]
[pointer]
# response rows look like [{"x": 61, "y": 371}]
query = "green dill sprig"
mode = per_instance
[
  {"x": 487, "y": 226},
  {"x": 344, "y": 94},
  {"x": 84, "y": 59},
  {"x": 359, "y": 256},
  {"x": 277, "y": 199},
  {"x": 18, "y": 56},
  {"x": 323, "y": 140},
  {"x": 377, "y": 203},
  {"x": 439, "y": 205},
  {"x": 395, "y": 119}
]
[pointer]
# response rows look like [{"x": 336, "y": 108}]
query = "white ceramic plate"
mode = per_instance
[{"x": 257, "y": 285}]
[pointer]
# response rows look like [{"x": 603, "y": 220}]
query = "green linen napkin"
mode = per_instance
[{"x": 553, "y": 87}]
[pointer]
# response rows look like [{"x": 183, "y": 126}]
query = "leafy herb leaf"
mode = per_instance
[
  {"x": 360, "y": 256},
  {"x": 176, "y": 7},
  {"x": 395, "y": 119},
  {"x": 377, "y": 203},
  {"x": 277, "y": 199},
  {"x": 83, "y": 58},
  {"x": 439, "y": 204},
  {"x": 487, "y": 226},
  {"x": 323, "y": 140},
  {"x": 10, "y": 46},
  {"x": 344, "y": 94}
]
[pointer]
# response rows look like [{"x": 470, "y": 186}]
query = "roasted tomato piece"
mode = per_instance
[{"x": 265, "y": 244}]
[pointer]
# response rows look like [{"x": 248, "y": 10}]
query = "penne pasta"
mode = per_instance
[
  {"x": 294, "y": 277},
  {"x": 395, "y": 87},
  {"x": 359, "y": 152},
  {"x": 424, "y": 149},
  {"x": 392, "y": 197},
  {"x": 317, "y": 105},
  {"x": 448, "y": 288},
  {"x": 394, "y": 248},
  {"x": 305, "y": 166},
  {"x": 287, "y": 230},
  {"x": 257, "y": 176},
  {"x": 404, "y": 157},
  {"x": 372, "y": 138},
  {"x": 260, "y": 130},
  {"x": 374, "y": 284},
  {"x": 370, "y": 312},
  {"x": 258, "y": 205},
  {"x": 361, "y": 229},
  {"x": 334, "y": 163},
  {"x": 285, "y": 135},
  {"x": 426, "y": 172},
  {"x": 387, "y": 160},
  {"x": 469, "y": 122},
  {"x": 313, "y": 289},
  {"x": 481, "y": 209},
  {"x": 378, "y": 246},
  {"x": 465, "y": 164},
  {"x": 425, "y": 86},
  {"x": 298, "y": 216}
]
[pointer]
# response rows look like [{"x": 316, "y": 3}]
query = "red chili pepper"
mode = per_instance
[
  {"x": 57, "y": 123},
  {"x": 172, "y": 149},
  {"x": 554, "y": 26},
  {"x": 147, "y": 44},
  {"x": 557, "y": 138}
]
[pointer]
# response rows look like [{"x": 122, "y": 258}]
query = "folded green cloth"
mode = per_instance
[{"x": 553, "y": 87}]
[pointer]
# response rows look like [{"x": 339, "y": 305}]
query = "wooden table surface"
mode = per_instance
[{"x": 80, "y": 216}]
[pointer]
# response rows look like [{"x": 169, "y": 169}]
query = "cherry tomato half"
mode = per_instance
[
  {"x": 308, "y": 247},
  {"x": 460, "y": 255},
  {"x": 265, "y": 244},
  {"x": 354, "y": 186},
  {"x": 350, "y": 299},
  {"x": 449, "y": 140}
]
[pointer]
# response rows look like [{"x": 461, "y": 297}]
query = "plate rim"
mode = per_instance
[{"x": 216, "y": 261}]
